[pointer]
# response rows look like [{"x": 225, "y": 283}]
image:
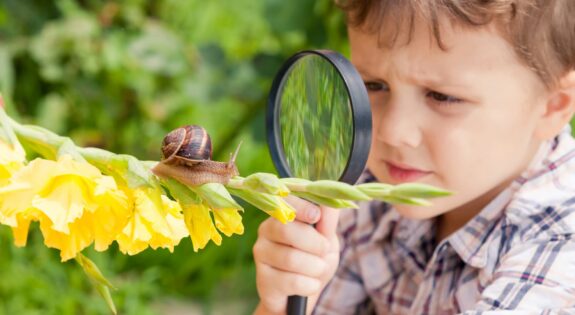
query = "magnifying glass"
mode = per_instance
[{"x": 318, "y": 123}]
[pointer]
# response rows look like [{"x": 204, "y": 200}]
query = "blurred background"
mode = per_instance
[{"x": 119, "y": 75}]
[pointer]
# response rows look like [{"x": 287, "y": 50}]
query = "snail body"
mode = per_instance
[{"x": 186, "y": 157}]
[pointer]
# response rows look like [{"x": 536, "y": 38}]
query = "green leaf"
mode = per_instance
[{"x": 7, "y": 132}]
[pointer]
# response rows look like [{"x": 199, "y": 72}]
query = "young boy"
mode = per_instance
[{"x": 474, "y": 96}]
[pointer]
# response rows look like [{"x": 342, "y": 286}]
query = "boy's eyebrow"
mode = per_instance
[
  {"x": 362, "y": 72},
  {"x": 429, "y": 82},
  {"x": 439, "y": 83}
]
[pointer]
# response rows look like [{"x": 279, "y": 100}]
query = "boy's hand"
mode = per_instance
[{"x": 295, "y": 258}]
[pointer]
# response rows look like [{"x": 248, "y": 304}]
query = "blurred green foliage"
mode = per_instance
[{"x": 121, "y": 74}]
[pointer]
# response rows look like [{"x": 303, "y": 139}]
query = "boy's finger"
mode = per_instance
[
  {"x": 289, "y": 259},
  {"x": 296, "y": 234},
  {"x": 327, "y": 224},
  {"x": 286, "y": 283},
  {"x": 306, "y": 211}
]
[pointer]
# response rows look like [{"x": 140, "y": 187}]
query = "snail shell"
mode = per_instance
[
  {"x": 187, "y": 153},
  {"x": 189, "y": 145}
]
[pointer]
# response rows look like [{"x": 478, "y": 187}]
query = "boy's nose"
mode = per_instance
[{"x": 396, "y": 126}]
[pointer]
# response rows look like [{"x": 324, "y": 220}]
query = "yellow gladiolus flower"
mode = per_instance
[
  {"x": 157, "y": 222},
  {"x": 284, "y": 213},
  {"x": 200, "y": 225},
  {"x": 74, "y": 203},
  {"x": 229, "y": 221}
]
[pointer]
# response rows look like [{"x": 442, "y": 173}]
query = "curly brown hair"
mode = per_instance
[{"x": 542, "y": 32}]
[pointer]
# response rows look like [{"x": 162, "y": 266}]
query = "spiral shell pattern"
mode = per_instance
[{"x": 190, "y": 142}]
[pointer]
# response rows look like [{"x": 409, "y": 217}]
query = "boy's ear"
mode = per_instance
[{"x": 559, "y": 108}]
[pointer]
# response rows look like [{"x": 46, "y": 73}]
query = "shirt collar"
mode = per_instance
[{"x": 472, "y": 241}]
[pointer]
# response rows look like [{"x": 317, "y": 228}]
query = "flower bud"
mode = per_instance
[
  {"x": 295, "y": 184},
  {"x": 228, "y": 221},
  {"x": 270, "y": 204},
  {"x": 375, "y": 190},
  {"x": 266, "y": 183},
  {"x": 405, "y": 200},
  {"x": 102, "y": 284},
  {"x": 334, "y": 203},
  {"x": 335, "y": 190},
  {"x": 418, "y": 190},
  {"x": 92, "y": 270}
]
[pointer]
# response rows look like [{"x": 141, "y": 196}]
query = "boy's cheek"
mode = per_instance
[{"x": 377, "y": 168}]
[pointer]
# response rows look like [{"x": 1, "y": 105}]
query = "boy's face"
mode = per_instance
[{"x": 463, "y": 119}]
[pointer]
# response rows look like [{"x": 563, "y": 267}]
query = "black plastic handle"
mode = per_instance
[{"x": 296, "y": 305}]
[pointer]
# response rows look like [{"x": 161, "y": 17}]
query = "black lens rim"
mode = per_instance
[{"x": 360, "y": 109}]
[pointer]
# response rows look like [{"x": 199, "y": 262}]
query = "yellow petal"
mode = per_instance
[
  {"x": 109, "y": 218},
  {"x": 156, "y": 222},
  {"x": 63, "y": 200},
  {"x": 200, "y": 226},
  {"x": 20, "y": 231},
  {"x": 69, "y": 244},
  {"x": 17, "y": 196},
  {"x": 284, "y": 213},
  {"x": 229, "y": 221},
  {"x": 135, "y": 236},
  {"x": 175, "y": 219}
]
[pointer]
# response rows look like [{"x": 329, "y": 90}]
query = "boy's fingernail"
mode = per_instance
[{"x": 313, "y": 214}]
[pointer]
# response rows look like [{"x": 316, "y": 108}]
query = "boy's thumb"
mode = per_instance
[{"x": 327, "y": 224}]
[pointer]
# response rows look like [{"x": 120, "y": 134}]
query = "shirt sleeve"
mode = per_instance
[
  {"x": 537, "y": 277},
  {"x": 345, "y": 293}
]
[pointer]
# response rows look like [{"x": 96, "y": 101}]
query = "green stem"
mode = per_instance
[
  {"x": 8, "y": 131},
  {"x": 41, "y": 140}
]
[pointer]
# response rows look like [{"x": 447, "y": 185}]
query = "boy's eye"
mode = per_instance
[
  {"x": 376, "y": 86},
  {"x": 443, "y": 99}
]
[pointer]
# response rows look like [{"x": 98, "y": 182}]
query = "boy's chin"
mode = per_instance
[{"x": 418, "y": 212}]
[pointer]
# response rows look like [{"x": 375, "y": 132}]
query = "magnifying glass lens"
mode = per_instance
[{"x": 316, "y": 125}]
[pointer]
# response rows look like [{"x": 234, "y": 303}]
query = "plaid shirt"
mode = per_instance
[{"x": 517, "y": 256}]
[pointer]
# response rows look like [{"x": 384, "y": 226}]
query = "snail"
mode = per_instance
[{"x": 186, "y": 157}]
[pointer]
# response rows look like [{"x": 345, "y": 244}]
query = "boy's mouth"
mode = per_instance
[{"x": 402, "y": 173}]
